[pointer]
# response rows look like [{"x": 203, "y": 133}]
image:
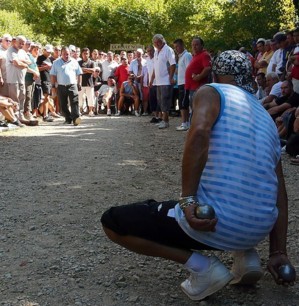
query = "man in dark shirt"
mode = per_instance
[
  {"x": 288, "y": 100},
  {"x": 44, "y": 65},
  {"x": 87, "y": 90}
]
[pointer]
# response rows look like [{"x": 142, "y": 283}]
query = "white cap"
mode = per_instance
[
  {"x": 7, "y": 36},
  {"x": 261, "y": 40},
  {"x": 49, "y": 48},
  {"x": 139, "y": 50},
  {"x": 72, "y": 48}
]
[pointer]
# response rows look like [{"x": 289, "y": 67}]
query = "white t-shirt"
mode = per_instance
[
  {"x": 276, "y": 90},
  {"x": 150, "y": 69},
  {"x": 184, "y": 60},
  {"x": 108, "y": 69},
  {"x": 14, "y": 74},
  {"x": 163, "y": 59},
  {"x": 276, "y": 59}
]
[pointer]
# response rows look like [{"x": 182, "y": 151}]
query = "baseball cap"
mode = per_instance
[
  {"x": 280, "y": 37},
  {"x": 49, "y": 48}
]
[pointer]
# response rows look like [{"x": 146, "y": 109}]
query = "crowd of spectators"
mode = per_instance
[{"x": 156, "y": 82}]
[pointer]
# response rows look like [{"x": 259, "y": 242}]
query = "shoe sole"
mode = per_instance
[
  {"x": 248, "y": 278},
  {"x": 209, "y": 291}
]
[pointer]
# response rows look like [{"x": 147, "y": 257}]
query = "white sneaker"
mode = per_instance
[
  {"x": 136, "y": 114},
  {"x": 182, "y": 128},
  {"x": 108, "y": 112},
  {"x": 118, "y": 113},
  {"x": 202, "y": 284},
  {"x": 163, "y": 125},
  {"x": 246, "y": 268},
  {"x": 29, "y": 116},
  {"x": 91, "y": 114},
  {"x": 22, "y": 118}
]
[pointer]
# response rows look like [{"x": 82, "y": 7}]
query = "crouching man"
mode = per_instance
[{"x": 231, "y": 162}]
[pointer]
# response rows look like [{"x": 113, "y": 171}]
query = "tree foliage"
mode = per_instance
[
  {"x": 98, "y": 23},
  {"x": 12, "y": 23}
]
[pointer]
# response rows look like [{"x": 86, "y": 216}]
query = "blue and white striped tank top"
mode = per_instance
[{"x": 239, "y": 178}]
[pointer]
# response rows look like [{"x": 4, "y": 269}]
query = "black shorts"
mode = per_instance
[
  {"x": 149, "y": 220},
  {"x": 183, "y": 98}
]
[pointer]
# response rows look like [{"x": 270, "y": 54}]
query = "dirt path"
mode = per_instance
[{"x": 57, "y": 180}]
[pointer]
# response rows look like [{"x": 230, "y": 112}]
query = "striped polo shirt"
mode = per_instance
[{"x": 239, "y": 178}]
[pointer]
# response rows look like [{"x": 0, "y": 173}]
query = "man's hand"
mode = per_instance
[
  {"x": 204, "y": 225},
  {"x": 275, "y": 261}
]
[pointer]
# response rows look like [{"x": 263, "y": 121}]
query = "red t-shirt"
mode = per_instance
[
  {"x": 295, "y": 69},
  {"x": 196, "y": 66},
  {"x": 121, "y": 73}
]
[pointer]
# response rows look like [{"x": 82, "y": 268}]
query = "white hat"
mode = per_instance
[
  {"x": 72, "y": 48},
  {"x": 139, "y": 50},
  {"x": 7, "y": 36},
  {"x": 49, "y": 48},
  {"x": 261, "y": 40}
]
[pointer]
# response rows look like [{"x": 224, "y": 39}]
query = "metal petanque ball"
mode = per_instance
[
  {"x": 204, "y": 211},
  {"x": 287, "y": 273}
]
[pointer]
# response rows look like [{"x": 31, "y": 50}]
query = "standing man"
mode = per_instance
[
  {"x": 44, "y": 65},
  {"x": 136, "y": 68},
  {"x": 87, "y": 91},
  {"x": 153, "y": 103},
  {"x": 66, "y": 72},
  {"x": 122, "y": 72},
  {"x": 108, "y": 67},
  {"x": 197, "y": 72},
  {"x": 248, "y": 194},
  {"x": 5, "y": 44},
  {"x": 184, "y": 59},
  {"x": 16, "y": 68},
  {"x": 164, "y": 68}
]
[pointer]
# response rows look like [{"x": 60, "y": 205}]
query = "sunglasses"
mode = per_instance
[{"x": 8, "y": 40}]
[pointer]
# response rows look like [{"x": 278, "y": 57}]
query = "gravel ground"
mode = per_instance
[{"x": 57, "y": 180}]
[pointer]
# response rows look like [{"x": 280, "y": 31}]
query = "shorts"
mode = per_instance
[
  {"x": 46, "y": 87},
  {"x": 183, "y": 98},
  {"x": 149, "y": 220},
  {"x": 164, "y": 97},
  {"x": 128, "y": 101}
]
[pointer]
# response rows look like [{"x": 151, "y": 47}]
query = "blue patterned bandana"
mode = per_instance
[{"x": 235, "y": 63}]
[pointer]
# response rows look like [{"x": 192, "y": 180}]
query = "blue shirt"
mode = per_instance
[
  {"x": 66, "y": 72},
  {"x": 239, "y": 178}
]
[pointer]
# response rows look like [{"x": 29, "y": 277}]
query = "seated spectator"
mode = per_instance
[
  {"x": 273, "y": 87},
  {"x": 8, "y": 108},
  {"x": 262, "y": 84},
  {"x": 292, "y": 145},
  {"x": 128, "y": 96},
  {"x": 294, "y": 75},
  {"x": 289, "y": 99},
  {"x": 106, "y": 93}
]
